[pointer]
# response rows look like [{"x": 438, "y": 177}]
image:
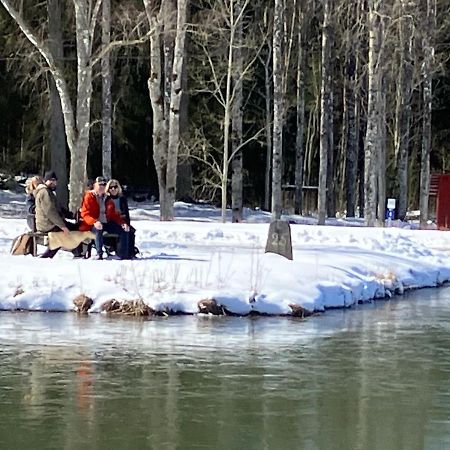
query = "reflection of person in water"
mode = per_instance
[{"x": 84, "y": 383}]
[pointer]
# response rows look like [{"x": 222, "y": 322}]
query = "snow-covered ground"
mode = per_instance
[{"x": 197, "y": 257}]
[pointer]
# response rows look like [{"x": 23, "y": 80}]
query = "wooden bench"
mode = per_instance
[
  {"x": 38, "y": 239},
  {"x": 108, "y": 247}
]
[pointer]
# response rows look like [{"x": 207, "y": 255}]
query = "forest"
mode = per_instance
[{"x": 318, "y": 107}]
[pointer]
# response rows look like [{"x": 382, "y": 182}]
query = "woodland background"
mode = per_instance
[{"x": 323, "y": 107}]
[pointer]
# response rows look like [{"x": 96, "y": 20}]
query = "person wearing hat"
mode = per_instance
[
  {"x": 48, "y": 217},
  {"x": 98, "y": 214}
]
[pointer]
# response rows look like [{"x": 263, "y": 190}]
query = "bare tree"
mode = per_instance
[
  {"x": 106, "y": 91},
  {"x": 349, "y": 123},
  {"x": 266, "y": 62},
  {"x": 372, "y": 142},
  {"x": 278, "y": 107},
  {"x": 167, "y": 63},
  {"x": 237, "y": 117},
  {"x": 325, "y": 113},
  {"x": 226, "y": 68},
  {"x": 300, "y": 111},
  {"x": 57, "y": 135},
  {"x": 427, "y": 97},
  {"x": 77, "y": 123},
  {"x": 403, "y": 99},
  {"x": 381, "y": 181}
]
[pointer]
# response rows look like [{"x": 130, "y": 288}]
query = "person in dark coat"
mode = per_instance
[
  {"x": 30, "y": 187},
  {"x": 115, "y": 192}
]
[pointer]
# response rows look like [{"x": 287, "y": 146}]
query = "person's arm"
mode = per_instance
[
  {"x": 87, "y": 210},
  {"x": 50, "y": 209},
  {"x": 31, "y": 204},
  {"x": 112, "y": 215},
  {"x": 125, "y": 210}
]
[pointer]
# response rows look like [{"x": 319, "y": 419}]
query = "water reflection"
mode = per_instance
[{"x": 371, "y": 378}]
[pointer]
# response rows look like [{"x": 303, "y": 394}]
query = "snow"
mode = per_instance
[{"x": 197, "y": 257}]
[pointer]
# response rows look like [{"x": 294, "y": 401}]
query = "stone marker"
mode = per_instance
[{"x": 279, "y": 239}]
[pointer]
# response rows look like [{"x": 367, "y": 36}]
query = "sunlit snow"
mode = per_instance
[{"x": 197, "y": 257}]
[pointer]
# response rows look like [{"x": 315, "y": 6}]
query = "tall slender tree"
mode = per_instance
[
  {"x": 106, "y": 91},
  {"x": 372, "y": 142},
  {"x": 58, "y": 145},
  {"x": 236, "y": 119},
  {"x": 326, "y": 112},
  {"x": 403, "y": 100},
  {"x": 427, "y": 98},
  {"x": 278, "y": 107},
  {"x": 300, "y": 110},
  {"x": 167, "y": 63},
  {"x": 350, "y": 101}
]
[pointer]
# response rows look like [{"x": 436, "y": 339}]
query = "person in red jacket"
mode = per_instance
[{"x": 98, "y": 214}]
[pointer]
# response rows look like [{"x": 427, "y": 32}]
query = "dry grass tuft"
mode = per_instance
[
  {"x": 299, "y": 311},
  {"x": 83, "y": 303},
  {"x": 128, "y": 308},
  {"x": 19, "y": 291},
  {"x": 210, "y": 306}
]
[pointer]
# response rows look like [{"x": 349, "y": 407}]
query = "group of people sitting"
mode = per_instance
[{"x": 104, "y": 209}]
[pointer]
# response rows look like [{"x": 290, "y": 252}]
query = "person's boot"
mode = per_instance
[
  {"x": 49, "y": 253},
  {"x": 78, "y": 251}
]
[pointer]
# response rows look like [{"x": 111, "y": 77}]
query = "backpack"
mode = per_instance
[{"x": 22, "y": 245}]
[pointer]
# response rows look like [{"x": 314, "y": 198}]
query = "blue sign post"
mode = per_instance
[{"x": 390, "y": 211}]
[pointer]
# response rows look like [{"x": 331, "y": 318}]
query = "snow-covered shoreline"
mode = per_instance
[{"x": 196, "y": 257}]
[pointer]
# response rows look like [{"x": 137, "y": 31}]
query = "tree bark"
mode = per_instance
[
  {"x": 176, "y": 91},
  {"x": 268, "y": 129},
  {"x": 403, "y": 102},
  {"x": 325, "y": 114},
  {"x": 427, "y": 98},
  {"x": 381, "y": 191},
  {"x": 300, "y": 116},
  {"x": 58, "y": 144},
  {"x": 349, "y": 133},
  {"x": 372, "y": 142},
  {"x": 236, "y": 133},
  {"x": 106, "y": 92},
  {"x": 166, "y": 103},
  {"x": 278, "y": 105}
]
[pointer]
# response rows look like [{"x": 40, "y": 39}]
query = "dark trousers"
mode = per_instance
[{"x": 113, "y": 228}]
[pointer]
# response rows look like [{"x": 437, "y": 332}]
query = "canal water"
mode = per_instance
[{"x": 373, "y": 377}]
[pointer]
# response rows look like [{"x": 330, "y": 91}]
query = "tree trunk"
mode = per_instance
[
  {"x": 84, "y": 18},
  {"x": 268, "y": 128},
  {"x": 299, "y": 139},
  {"x": 176, "y": 93},
  {"x": 427, "y": 97},
  {"x": 372, "y": 142},
  {"x": 331, "y": 194},
  {"x": 325, "y": 114},
  {"x": 278, "y": 105},
  {"x": 168, "y": 9},
  {"x": 106, "y": 92},
  {"x": 226, "y": 121},
  {"x": 236, "y": 133},
  {"x": 166, "y": 114},
  {"x": 403, "y": 103},
  {"x": 382, "y": 157},
  {"x": 58, "y": 147},
  {"x": 349, "y": 132}
]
